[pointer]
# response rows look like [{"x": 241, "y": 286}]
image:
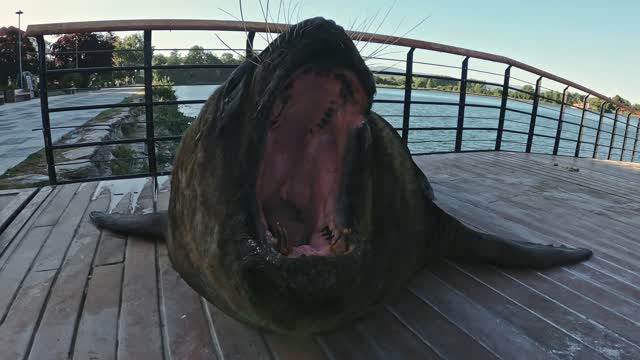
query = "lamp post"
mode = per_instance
[
  {"x": 76, "y": 39},
  {"x": 19, "y": 12}
]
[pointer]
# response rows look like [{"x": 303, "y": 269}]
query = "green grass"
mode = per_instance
[{"x": 123, "y": 162}]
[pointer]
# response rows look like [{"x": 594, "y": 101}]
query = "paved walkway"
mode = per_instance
[{"x": 17, "y": 120}]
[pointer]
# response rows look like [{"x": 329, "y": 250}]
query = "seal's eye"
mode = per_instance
[{"x": 302, "y": 175}]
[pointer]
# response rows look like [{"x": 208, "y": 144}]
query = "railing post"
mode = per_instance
[
  {"x": 635, "y": 143},
  {"x": 249, "y": 49},
  {"x": 148, "y": 103},
  {"x": 595, "y": 147},
  {"x": 624, "y": 140},
  {"x": 44, "y": 109},
  {"x": 461, "y": 104},
  {"x": 534, "y": 114},
  {"x": 582, "y": 125},
  {"x": 556, "y": 144},
  {"x": 503, "y": 107},
  {"x": 408, "y": 85},
  {"x": 613, "y": 134}
]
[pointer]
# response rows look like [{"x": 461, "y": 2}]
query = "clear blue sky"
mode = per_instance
[{"x": 590, "y": 42}]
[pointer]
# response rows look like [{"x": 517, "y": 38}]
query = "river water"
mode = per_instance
[{"x": 477, "y": 117}]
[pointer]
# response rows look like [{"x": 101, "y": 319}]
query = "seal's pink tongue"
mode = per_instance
[{"x": 303, "y": 165}]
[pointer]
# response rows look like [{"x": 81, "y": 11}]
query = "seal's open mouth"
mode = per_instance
[{"x": 300, "y": 186}]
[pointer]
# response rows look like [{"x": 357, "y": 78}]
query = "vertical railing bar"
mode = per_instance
[
  {"x": 635, "y": 143},
  {"x": 503, "y": 107},
  {"x": 534, "y": 114},
  {"x": 44, "y": 109},
  {"x": 595, "y": 147},
  {"x": 613, "y": 133},
  {"x": 408, "y": 85},
  {"x": 148, "y": 104},
  {"x": 462, "y": 103},
  {"x": 556, "y": 143},
  {"x": 249, "y": 49},
  {"x": 624, "y": 140},
  {"x": 582, "y": 125}
]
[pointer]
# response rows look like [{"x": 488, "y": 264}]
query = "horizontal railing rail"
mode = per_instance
[{"x": 620, "y": 136}]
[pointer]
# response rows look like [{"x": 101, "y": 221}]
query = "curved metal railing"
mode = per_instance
[{"x": 560, "y": 130}]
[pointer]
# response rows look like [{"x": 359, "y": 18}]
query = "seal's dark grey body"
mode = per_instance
[{"x": 212, "y": 228}]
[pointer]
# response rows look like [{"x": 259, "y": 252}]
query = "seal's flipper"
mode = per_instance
[
  {"x": 149, "y": 225},
  {"x": 461, "y": 242}
]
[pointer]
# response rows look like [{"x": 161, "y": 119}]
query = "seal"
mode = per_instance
[{"x": 294, "y": 207}]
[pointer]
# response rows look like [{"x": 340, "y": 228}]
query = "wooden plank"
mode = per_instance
[
  {"x": 17, "y": 267},
  {"x": 611, "y": 281},
  {"x": 448, "y": 340},
  {"x": 292, "y": 348},
  {"x": 57, "y": 328},
  {"x": 13, "y": 231},
  {"x": 98, "y": 328},
  {"x": 17, "y": 329},
  {"x": 539, "y": 221},
  {"x": 562, "y": 294},
  {"x": 10, "y": 192},
  {"x": 609, "y": 273},
  {"x": 139, "y": 335},
  {"x": 186, "y": 329},
  {"x": 604, "y": 274},
  {"x": 17, "y": 202},
  {"x": 595, "y": 336},
  {"x": 236, "y": 340},
  {"x": 57, "y": 244},
  {"x": 531, "y": 206},
  {"x": 567, "y": 212},
  {"x": 55, "y": 208},
  {"x": 349, "y": 344},
  {"x": 509, "y": 342},
  {"x": 553, "y": 340},
  {"x": 112, "y": 246},
  {"x": 626, "y": 173},
  {"x": 627, "y": 307},
  {"x": 576, "y": 178},
  {"x": 394, "y": 340}
]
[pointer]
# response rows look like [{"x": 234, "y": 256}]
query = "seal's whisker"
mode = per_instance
[
  {"x": 237, "y": 53},
  {"x": 377, "y": 57},
  {"x": 368, "y": 25},
  {"x": 279, "y": 11},
  {"x": 299, "y": 8},
  {"x": 386, "y": 15},
  {"x": 393, "y": 33},
  {"x": 245, "y": 31},
  {"x": 266, "y": 21},
  {"x": 293, "y": 11},
  {"x": 357, "y": 29},
  {"x": 387, "y": 68},
  {"x": 405, "y": 34}
]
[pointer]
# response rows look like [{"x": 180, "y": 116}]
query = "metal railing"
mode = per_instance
[{"x": 558, "y": 134}]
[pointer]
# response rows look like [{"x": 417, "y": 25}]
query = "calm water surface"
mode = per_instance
[{"x": 477, "y": 117}]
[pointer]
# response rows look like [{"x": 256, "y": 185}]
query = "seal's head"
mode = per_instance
[{"x": 285, "y": 183}]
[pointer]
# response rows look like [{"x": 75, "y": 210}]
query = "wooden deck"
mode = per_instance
[{"x": 68, "y": 290}]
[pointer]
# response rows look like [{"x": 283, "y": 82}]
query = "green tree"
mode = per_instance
[
  {"x": 227, "y": 58},
  {"x": 9, "y": 56},
  {"x": 64, "y": 54},
  {"x": 129, "y": 51},
  {"x": 195, "y": 56}
]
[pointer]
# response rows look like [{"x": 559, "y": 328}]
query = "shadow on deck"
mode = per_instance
[{"x": 69, "y": 290}]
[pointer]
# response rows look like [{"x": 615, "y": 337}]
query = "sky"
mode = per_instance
[{"x": 589, "y": 42}]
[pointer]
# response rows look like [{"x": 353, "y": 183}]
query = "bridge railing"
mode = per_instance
[{"x": 575, "y": 131}]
